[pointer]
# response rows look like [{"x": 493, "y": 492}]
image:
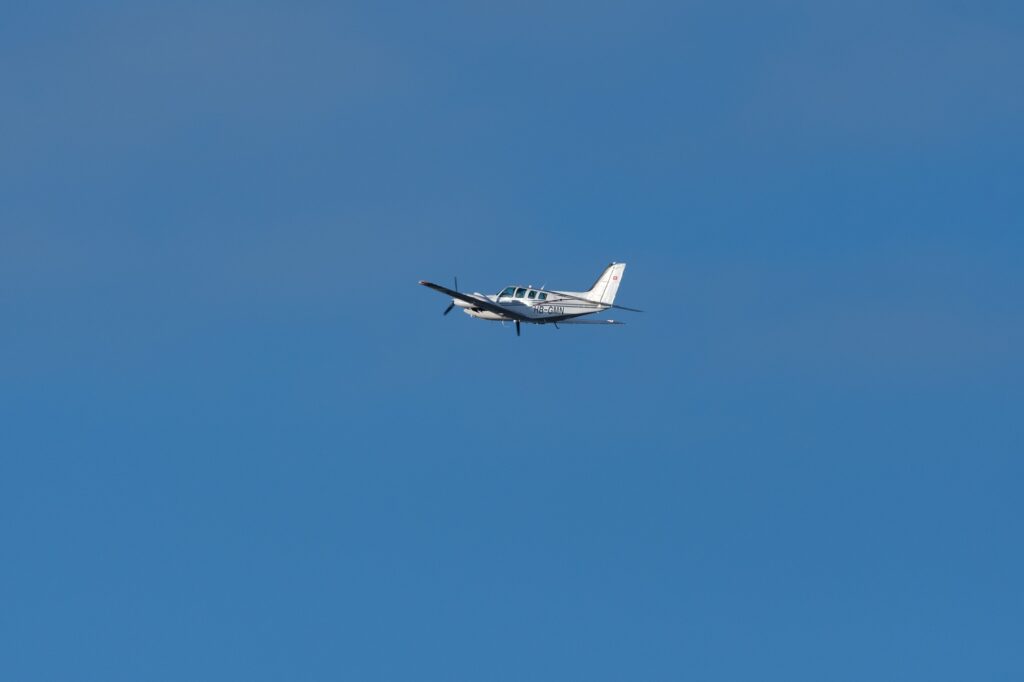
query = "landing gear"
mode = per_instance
[{"x": 517, "y": 327}]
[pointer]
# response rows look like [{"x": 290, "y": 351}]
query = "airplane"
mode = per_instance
[{"x": 540, "y": 306}]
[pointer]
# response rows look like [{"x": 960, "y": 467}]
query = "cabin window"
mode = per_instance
[
  {"x": 520, "y": 292},
  {"x": 508, "y": 291},
  {"x": 532, "y": 294},
  {"x": 542, "y": 296}
]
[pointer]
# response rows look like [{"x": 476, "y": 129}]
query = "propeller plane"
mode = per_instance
[{"x": 527, "y": 304}]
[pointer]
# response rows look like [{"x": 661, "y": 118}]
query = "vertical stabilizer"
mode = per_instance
[{"x": 607, "y": 285}]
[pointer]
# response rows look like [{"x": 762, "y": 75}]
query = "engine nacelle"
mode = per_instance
[{"x": 483, "y": 314}]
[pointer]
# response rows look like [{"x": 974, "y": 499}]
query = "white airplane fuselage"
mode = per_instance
[{"x": 551, "y": 308}]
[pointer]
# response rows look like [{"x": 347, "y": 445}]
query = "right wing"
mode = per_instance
[
  {"x": 591, "y": 322},
  {"x": 485, "y": 304}
]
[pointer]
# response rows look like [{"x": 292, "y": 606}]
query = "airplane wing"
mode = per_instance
[
  {"x": 485, "y": 304},
  {"x": 591, "y": 322}
]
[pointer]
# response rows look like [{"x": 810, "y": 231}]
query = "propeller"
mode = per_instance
[{"x": 452, "y": 304}]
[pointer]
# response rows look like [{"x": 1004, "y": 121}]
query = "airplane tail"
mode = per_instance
[{"x": 607, "y": 285}]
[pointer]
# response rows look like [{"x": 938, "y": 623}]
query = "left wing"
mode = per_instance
[
  {"x": 591, "y": 322},
  {"x": 484, "y": 303}
]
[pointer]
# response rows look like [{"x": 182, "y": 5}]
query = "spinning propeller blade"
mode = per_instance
[{"x": 452, "y": 304}]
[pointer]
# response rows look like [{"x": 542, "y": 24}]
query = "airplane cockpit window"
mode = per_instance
[
  {"x": 520, "y": 292},
  {"x": 532, "y": 294},
  {"x": 542, "y": 296},
  {"x": 508, "y": 291}
]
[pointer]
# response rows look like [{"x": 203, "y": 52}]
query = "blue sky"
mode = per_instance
[{"x": 239, "y": 442}]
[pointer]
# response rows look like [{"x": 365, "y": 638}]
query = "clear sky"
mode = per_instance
[{"x": 237, "y": 441}]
